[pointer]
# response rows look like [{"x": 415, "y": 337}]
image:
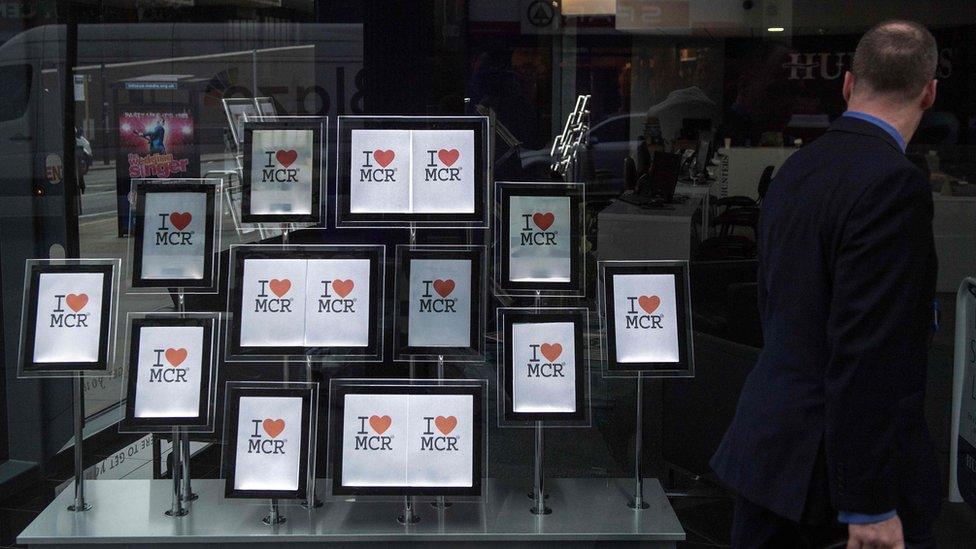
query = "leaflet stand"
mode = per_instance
[
  {"x": 95, "y": 287},
  {"x": 655, "y": 294}
]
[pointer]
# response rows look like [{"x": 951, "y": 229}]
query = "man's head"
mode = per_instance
[{"x": 894, "y": 65}]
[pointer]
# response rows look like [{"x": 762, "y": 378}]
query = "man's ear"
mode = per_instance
[
  {"x": 848, "y": 85},
  {"x": 928, "y": 94}
]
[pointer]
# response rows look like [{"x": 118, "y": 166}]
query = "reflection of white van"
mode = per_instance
[{"x": 306, "y": 68}]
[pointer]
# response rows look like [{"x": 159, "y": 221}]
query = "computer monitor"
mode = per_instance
[
  {"x": 664, "y": 175},
  {"x": 704, "y": 154}
]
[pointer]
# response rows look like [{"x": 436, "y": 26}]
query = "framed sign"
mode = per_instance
[
  {"x": 267, "y": 432},
  {"x": 237, "y": 110},
  {"x": 400, "y": 438},
  {"x": 175, "y": 229},
  {"x": 439, "y": 307},
  {"x": 545, "y": 373},
  {"x": 539, "y": 246},
  {"x": 170, "y": 372},
  {"x": 282, "y": 171},
  {"x": 321, "y": 301},
  {"x": 646, "y": 318},
  {"x": 68, "y": 319},
  {"x": 422, "y": 171}
]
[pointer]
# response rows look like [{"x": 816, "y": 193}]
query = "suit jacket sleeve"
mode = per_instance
[{"x": 877, "y": 336}]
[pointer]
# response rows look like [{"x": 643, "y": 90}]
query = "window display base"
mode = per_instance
[{"x": 129, "y": 513}]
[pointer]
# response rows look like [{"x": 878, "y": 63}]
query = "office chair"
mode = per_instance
[
  {"x": 736, "y": 211},
  {"x": 742, "y": 211}
]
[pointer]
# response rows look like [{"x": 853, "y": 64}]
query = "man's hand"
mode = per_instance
[{"x": 879, "y": 535}]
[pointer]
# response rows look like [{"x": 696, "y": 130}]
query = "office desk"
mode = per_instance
[{"x": 626, "y": 231}]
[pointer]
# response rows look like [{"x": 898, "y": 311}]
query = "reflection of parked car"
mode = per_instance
[{"x": 608, "y": 143}]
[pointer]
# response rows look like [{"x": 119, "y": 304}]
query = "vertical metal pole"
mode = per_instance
[
  {"x": 440, "y": 502},
  {"x": 638, "y": 502},
  {"x": 284, "y": 364},
  {"x": 274, "y": 517},
  {"x": 176, "y": 508},
  {"x": 79, "y": 402},
  {"x": 408, "y": 517},
  {"x": 315, "y": 502},
  {"x": 184, "y": 437},
  {"x": 538, "y": 484}
]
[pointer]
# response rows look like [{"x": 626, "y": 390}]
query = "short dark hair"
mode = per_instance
[{"x": 896, "y": 58}]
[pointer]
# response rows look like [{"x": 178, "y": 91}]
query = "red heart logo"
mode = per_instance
[
  {"x": 273, "y": 427},
  {"x": 445, "y": 424},
  {"x": 448, "y": 156},
  {"x": 383, "y": 158},
  {"x": 551, "y": 351},
  {"x": 444, "y": 287},
  {"x": 543, "y": 220},
  {"x": 176, "y": 356},
  {"x": 77, "y": 302},
  {"x": 286, "y": 158},
  {"x": 380, "y": 423},
  {"x": 649, "y": 303},
  {"x": 180, "y": 220},
  {"x": 343, "y": 287},
  {"x": 280, "y": 287}
]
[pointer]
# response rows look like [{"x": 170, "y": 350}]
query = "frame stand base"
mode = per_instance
[
  {"x": 75, "y": 509},
  {"x": 315, "y": 505},
  {"x": 193, "y": 497},
  {"x": 637, "y": 507},
  {"x": 405, "y": 521},
  {"x": 532, "y": 496},
  {"x": 535, "y": 511},
  {"x": 272, "y": 521},
  {"x": 181, "y": 513},
  {"x": 437, "y": 504}
]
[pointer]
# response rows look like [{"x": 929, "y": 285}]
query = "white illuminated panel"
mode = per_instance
[{"x": 645, "y": 318}]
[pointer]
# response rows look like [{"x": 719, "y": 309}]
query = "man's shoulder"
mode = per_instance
[{"x": 860, "y": 159}]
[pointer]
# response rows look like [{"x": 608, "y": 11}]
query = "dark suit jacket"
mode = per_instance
[{"x": 846, "y": 284}]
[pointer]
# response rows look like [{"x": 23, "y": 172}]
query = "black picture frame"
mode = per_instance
[
  {"x": 139, "y": 234},
  {"x": 318, "y": 138},
  {"x": 402, "y": 349},
  {"x": 131, "y": 423},
  {"x": 344, "y": 215},
  {"x": 28, "y": 365},
  {"x": 577, "y": 283},
  {"x": 336, "y": 416},
  {"x": 233, "y": 396},
  {"x": 684, "y": 367},
  {"x": 512, "y": 318},
  {"x": 376, "y": 277}
]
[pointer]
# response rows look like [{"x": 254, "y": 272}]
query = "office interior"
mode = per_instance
[{"x": 690, "y": 107}]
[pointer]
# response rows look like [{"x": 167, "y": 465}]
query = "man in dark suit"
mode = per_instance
[{"x": 829, "y": 438}]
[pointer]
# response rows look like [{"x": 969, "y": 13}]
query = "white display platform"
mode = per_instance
[{"x": 130, "y": 513}]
